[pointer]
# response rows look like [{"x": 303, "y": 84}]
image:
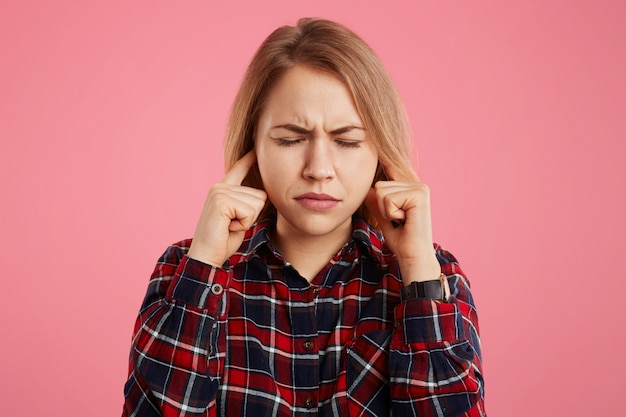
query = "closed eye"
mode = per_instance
[
  {"x": 348, "y": 143},
  {"x": 288, "y": 141}
]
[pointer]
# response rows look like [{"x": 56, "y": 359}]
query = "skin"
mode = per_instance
[{"x": 317, "y": 164}]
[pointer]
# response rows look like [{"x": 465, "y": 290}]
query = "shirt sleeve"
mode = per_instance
[
  {"x": 174, "y": 364},
  {"x": 435, "y": 353}
]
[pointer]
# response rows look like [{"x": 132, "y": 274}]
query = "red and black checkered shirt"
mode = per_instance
[{"x": 254, "y": 338}]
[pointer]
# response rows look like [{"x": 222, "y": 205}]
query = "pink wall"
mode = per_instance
[{"x": 111, "y": 121}]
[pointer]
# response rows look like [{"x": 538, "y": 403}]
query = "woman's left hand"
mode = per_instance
[{"x": 402, "y": 207}]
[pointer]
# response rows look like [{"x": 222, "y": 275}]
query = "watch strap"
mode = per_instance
[{"x": 433, "y": 290}]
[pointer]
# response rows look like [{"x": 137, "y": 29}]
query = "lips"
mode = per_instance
[{"x": 314, "y": 201}]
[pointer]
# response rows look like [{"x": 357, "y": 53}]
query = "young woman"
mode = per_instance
[{"x": 336, "y": 302}]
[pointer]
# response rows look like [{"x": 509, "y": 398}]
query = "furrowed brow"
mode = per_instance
[
  {"x": 293, "y": 128},
  {"x": 345, "y": 129}
]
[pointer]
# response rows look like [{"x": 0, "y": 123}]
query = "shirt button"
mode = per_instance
[
  {"x": 217, "y": 289},
  {"x": 316, "y": 290},
  {"x": 309, "y": 402},
  {"x": 308, "y": 345}
]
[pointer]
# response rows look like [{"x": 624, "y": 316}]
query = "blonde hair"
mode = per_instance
[{"x": 330, "y": 47}]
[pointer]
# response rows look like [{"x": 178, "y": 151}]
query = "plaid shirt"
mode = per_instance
[{"x": 254, "y": 338}]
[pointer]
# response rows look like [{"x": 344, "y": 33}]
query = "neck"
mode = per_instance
[{"x": 309, "y": 253}]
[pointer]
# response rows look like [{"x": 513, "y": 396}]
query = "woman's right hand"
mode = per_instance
[{"x": 229, "y": 211}]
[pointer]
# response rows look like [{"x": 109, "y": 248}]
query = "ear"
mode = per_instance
[
  {"x": 254, "y": 179},
  {"x": 380, "y": 174}
]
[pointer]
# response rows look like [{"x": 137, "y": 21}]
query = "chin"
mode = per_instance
[{"x": 317, "y": 225}]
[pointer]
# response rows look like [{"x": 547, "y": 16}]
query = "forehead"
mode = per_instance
[{"x": 303, "y": 93}]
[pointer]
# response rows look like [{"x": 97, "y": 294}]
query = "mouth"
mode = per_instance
[{"x": 314, "y": 201}]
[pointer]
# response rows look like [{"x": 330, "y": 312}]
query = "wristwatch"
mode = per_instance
[{"x": 436, "y": 289}]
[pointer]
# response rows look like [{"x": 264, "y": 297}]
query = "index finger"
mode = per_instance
[{"x": 238, "y": 172}]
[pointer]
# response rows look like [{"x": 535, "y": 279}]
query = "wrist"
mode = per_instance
[
  {"x": 202, "y": 254},
  {"x": 419, "y": 268}
]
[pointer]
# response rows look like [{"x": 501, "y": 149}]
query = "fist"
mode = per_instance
[{"x": 229, "y": 211}]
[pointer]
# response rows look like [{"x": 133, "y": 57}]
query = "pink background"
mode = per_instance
[{"x": 111, "y": 124}]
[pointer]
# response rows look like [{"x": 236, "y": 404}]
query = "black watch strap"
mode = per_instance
[{"x": 433, "y": 290}]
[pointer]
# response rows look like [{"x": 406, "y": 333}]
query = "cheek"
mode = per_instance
[
  {"x": 263, "y": 159},
  {"x": 274, "y": 171},
  {"x": 265, "y": 170},
  {"x": 359, "y": 180},
  {"x": 363, "y": 169}
]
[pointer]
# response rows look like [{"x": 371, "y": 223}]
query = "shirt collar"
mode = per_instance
[
  {"x": 372, "y": 239},
  {"x": 363, "y": 234}
]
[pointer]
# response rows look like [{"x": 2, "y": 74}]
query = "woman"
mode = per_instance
[{"x": 310, "y": 311}]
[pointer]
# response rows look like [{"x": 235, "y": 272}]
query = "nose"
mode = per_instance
[{"x": 319, "y": 163}]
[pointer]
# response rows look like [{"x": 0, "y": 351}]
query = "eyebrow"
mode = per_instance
[{"x": 303, "y": 131}]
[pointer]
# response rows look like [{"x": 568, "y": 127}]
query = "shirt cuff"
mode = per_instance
[
  {"x": 199, "y": 285},
  {"x": 430, "y": 321}
]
